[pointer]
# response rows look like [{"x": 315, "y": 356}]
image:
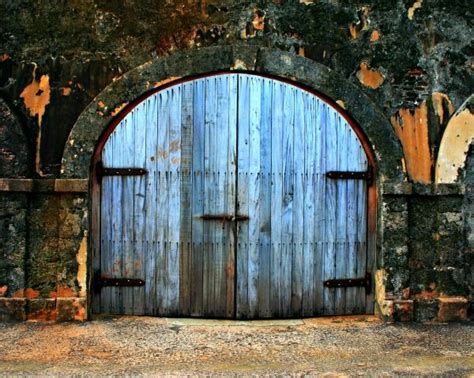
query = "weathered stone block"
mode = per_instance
[
  {"x": 70, "y": 309},
  {"x": 12, "y": 309},
  {"x": 426, "y": 309},
  {"x": 452, "y": 309},
  {"x": 41, "y": 309}
]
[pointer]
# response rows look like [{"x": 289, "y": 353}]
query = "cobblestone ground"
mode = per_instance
[{"x": 328, "y": 347}]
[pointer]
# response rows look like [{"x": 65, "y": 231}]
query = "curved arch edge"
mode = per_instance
[{"x": 156, "y": 74}]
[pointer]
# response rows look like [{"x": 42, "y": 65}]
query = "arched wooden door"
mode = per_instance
[{"x": 233, "y": 195}]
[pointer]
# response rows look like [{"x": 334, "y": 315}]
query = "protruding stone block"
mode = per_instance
[
  {"x": 452, "y": 309},
  {"x": 12, "y": 309}
]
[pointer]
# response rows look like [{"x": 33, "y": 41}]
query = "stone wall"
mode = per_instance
[{"x": 411, "y": 59}]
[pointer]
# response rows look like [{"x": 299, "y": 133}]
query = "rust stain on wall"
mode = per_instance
[
  {"x": 454, "y": 146},
  {"x": 411, "y": 127},
  {"x": 362, "y": 24},
  {"x": 66, "y": 91},
  {"x": 118, "y": 109},
  {"x": 166, "y": 81},
  {"x": 81, "y": 258},
  {"x": 31, "y": 293},
  {"x": 369, "y": 77},
  {"x": 258, "y": 21},
  {"x": 442, "y": 102},
  {"x": 416, "y": 5},
  {"x": 375, "y": 36},
  {"x": 36, "y": 97}
]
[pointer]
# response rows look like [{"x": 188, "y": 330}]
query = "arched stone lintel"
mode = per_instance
[{"x": 95, "y": 119}]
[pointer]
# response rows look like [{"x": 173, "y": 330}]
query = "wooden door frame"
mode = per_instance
[{"x": 95, "y": 185}]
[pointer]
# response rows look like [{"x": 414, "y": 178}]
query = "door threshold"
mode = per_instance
[{"x": 206, "y": 322}]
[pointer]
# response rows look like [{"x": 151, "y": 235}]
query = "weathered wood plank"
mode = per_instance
[
  {"x": 264, "y": 263},
  {"x": 174, "y": 199},
  {"x": 140, "y": 210},
  {"x": 162, "y": 209},
  {"x": 276, "y": 198},
  {"x": 243, "y": 196},
  {"x": 288, "y": 195},
  {"x": 341, "y": 215},
  {"x": 185, "y": 236},
  {"x": 329, "y": 118},
  {"x": 351, "y": 255},
  {"x": 231, "y": 193},
  {"x": 309, "y": 205},
  {"x": 254, "y": 194},
  {"x": 151, "y": 198},
  {"x": 298, "y": 209}
]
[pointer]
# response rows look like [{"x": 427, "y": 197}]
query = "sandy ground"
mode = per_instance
[{"x": 327, "y": 347}]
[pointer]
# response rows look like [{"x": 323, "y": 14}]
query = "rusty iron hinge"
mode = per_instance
[
  {"x": 352, "y": 282},
  {"x": 102, "y": 171},
  {"x": 352, "y": 175},
  {"x": 225, "y": 217},
  {"x": 100, "y": 282}
]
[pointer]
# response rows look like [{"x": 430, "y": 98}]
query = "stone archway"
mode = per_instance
[{"x": 131, "y": 87}]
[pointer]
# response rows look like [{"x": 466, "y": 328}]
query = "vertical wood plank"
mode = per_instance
[
  {"x": 162, "y": 167},
  {"x": 231, "y": 194},
  {"x": 254, "y": 195},
  {"x": 243, "y": 196},
  {"x": 320, "y": 185},
  {"x": 151, "y": 199},
  {"x": 197, "y": 287},
  {"x": 276, "y": 198},
  {"x": 264, "y": 264},
  {"x": 341, "y": 214},
  {"x": 187, "y": 115},
  {"x": 310, "y": 205},
  {"x": 174, "y": 199},
  {"x": 298, "y": 204},
  {"x": 288, "y": 196},
  {"x": 139, "y": 209},
  {"x": 353, "y": 164},
  {"x": 329, "y": 119}
]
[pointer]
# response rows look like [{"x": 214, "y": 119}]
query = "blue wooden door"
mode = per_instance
[{"x": 233, "y": 214}]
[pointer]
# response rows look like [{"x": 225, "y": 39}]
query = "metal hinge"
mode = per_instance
[
  {"x": 352, "y": 282},
  {"x": 352, "y": 175},
  {"x": 102, "y": 171},
  {"x": 100, "y": 282}
]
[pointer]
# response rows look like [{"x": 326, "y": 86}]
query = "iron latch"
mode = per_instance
[
  {"x": 102, "y": 171},
  {"x": 352, "y": 282},
  {"x": 352, "y": 175},
  {"x": 225, "y": 217}
]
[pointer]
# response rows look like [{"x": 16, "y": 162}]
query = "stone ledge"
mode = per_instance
[
  {"x": 44, "y": 185},
  {"x": 43, "y": 309},
  {"x": 407, "y": 189}
]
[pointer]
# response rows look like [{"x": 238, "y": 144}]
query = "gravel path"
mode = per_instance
[{"x": 328, "y": 347}]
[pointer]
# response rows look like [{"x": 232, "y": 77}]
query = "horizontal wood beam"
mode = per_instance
[{"x": 44, "y": 185}]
